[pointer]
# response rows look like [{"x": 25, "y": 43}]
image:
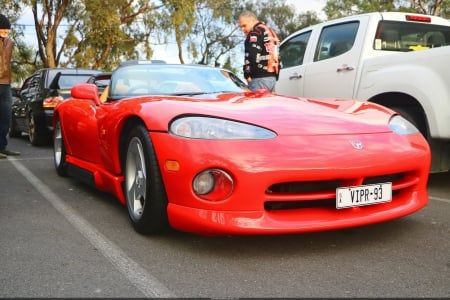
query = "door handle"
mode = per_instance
[
  {"x": 295, "y": 76},
  {"x": 345, "y": 68}
]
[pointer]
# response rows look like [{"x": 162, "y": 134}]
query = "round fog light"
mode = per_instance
[
  {"x": 203, "y": 183},
  {"x": 213, "y": 185}
]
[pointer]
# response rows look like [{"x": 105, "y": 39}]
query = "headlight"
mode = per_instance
[
  {"x": 214, "y": 129},
  {"x": 401, "y": 126}
]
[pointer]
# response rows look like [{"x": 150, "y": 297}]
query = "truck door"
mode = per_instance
[
  {"x": 333, "y": 71},
  {"x": 292, "y": 53}
]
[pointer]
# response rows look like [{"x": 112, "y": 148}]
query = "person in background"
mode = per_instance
[
  {"x": 6, "y": 46},
  {"x": 262, "y": 62}
]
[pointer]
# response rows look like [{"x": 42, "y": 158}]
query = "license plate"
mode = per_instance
[{"x": 363, "y": 195}]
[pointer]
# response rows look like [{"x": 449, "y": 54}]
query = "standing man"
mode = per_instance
[
  {"x": 262, "y": 62},
  {"x": 6, "y": 46}
]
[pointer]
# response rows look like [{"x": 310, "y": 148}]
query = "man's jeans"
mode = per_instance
[
  {"x": 267, "y": 83},
  {"x": 5, "y": 113}
]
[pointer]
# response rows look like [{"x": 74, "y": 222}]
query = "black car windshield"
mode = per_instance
[
  {"x": 167, "y": 79},
  {"x": 67, "y": 81}
]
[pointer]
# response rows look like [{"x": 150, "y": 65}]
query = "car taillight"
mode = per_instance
[
  {"x": 418, "y": 18},
  {"x": 51, "y": 102}
]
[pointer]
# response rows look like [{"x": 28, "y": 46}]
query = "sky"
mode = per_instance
[
  {"x": 305, "y": 5},
  {"x": 168, "y": 52}
]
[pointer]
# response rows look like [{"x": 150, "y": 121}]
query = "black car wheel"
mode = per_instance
[
  {"x": 144, "y": 189},
  {"x": 59, "y": 150},
  {"x": 35, "y": 135}
]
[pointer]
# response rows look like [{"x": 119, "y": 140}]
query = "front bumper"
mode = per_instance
[{"x": 291, "y": 165}]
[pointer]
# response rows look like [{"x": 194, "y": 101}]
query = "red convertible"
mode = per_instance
[{"x": 191, "y": 148}]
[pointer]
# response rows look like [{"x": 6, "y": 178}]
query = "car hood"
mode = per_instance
[{"x": 282, "y": 114}]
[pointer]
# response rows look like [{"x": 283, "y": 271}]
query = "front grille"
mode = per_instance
[
  {"x": 285, "y": 205},
  {"x": 384, "y": 178},
  {"x": 304, "y": 187},
  {"x": 315, "y": 194}
]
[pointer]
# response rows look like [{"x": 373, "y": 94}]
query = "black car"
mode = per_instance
[{"x": 33, "y": 105}]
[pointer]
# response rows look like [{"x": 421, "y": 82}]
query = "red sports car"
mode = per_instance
[{"x": 190, "y": 147}]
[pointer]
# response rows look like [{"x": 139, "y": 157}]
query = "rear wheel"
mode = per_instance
[
  {"x": 144, "y": 190},
  {"x": 59, "y": 151},
  {"x": 35, "y": 134}
]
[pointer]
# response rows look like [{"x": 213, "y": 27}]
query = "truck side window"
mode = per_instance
[
  {"x": 292, "y": 52},
  {"x": 335, "y": 40}
]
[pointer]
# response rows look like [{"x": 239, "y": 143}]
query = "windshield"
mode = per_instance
[
  {"x": 164, "y": 79},
  {"x": 403, "y": 36},
  {"x": 67, "y": 81}
]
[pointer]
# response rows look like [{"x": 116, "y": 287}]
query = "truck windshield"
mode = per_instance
[{"x": 408, "y": 36}]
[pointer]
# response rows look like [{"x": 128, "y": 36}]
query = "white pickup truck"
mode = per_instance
[{"x": 399, "y": 60}]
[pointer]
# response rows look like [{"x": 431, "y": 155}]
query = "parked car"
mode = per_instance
[
  {"x": 399, "y": 60},
  {"x": 190, "y": 147},
  {"x": 33, "y": 105}
]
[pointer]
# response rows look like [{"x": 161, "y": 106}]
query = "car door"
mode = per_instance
[
  {"x": 333, "y": 71},
  {"x": 79, "y": 124},
  {"x": 292, "y": 53}
]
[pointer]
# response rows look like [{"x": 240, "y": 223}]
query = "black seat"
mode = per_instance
[{"x": 390, "y": 39}]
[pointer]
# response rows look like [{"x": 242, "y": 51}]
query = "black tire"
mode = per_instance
[
  {"x": 13, "y": 131},
  {"x": 35, "y": 135},
  {"x": 143, "y": 186},
  {"x": 59, "y": 151}
]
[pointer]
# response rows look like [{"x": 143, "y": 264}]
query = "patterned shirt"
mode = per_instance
[{"x": 261, "y": 52}]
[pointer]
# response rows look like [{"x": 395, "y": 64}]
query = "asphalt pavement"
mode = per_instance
[{"x": 61, "y": 238}]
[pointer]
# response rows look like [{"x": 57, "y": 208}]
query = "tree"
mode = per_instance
[
  {"x": 47, "y": 22},
  {"x": 215, "y": 32},
  {"x": 90, "y": 33},
  {"x": 181, "y": 15},
  {"x": 108, "y": 32}
]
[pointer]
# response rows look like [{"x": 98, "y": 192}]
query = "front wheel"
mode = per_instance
[{"x": 144, "y": 189}]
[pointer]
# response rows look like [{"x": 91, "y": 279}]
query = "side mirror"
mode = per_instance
[{"x": 86, "y": 91}]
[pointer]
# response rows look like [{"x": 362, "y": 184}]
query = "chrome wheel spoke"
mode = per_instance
[
  {"x": 57, "y": 143},
  {"x": 136, "y": 181}
]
